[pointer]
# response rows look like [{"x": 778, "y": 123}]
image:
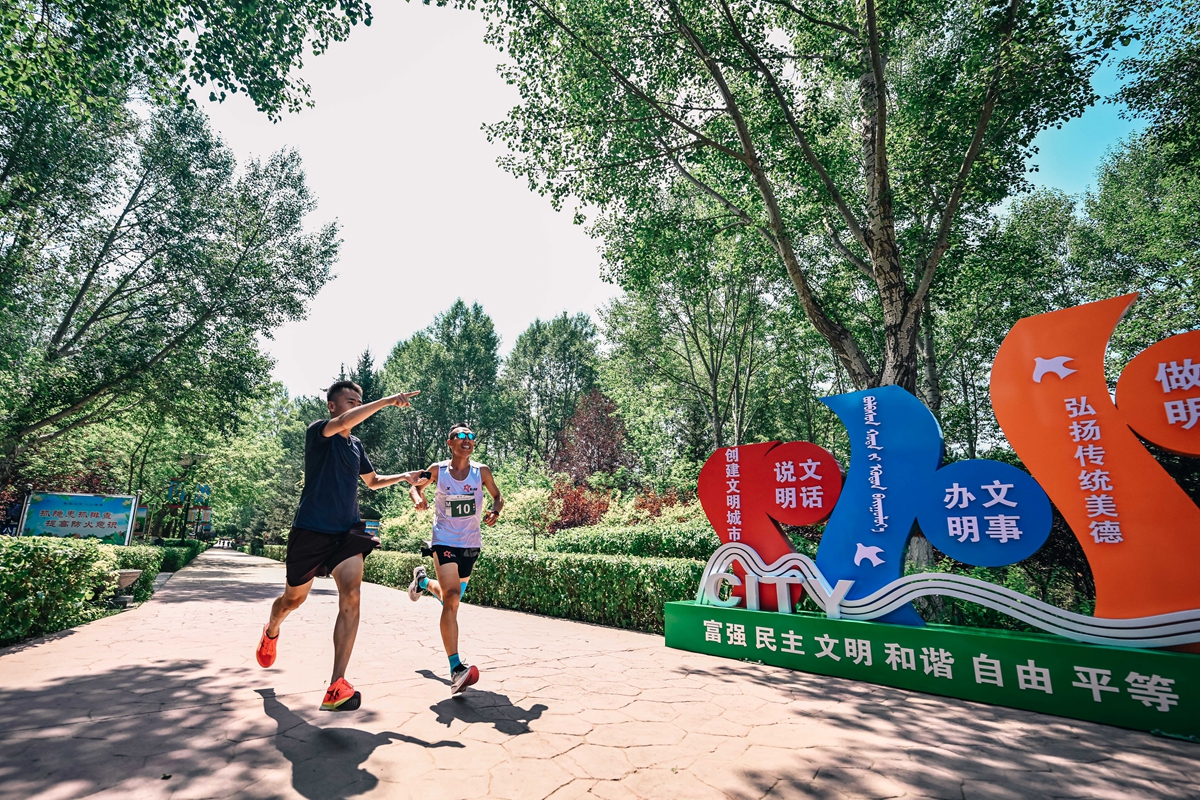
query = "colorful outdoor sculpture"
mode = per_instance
[{"x": 1140, "y": 533}]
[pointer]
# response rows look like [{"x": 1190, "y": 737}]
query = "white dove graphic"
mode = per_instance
[
  {"x": 1057, "y": 365},
  {"x": 871, "y": 553}
]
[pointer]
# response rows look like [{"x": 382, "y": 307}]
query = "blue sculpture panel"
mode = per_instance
[
  {"x": 985, "y": 513},
  {"x": 895, "y": 448}
]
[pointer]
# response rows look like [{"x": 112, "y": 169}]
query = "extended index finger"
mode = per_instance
[{"x": 411, "y": 394}]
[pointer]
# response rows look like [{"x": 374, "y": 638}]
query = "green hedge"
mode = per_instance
[
  {"x": 177, "y": 555},
  {"x": 619, "y": 591},
  {"x": 694, "y": 540},
  {"x": 388, "y": 568},
  {"x": 47, "y": 584},
  {"x": 384, "y": 567}
]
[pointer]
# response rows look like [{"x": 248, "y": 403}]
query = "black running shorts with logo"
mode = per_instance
[
  {"x": 311, "y": 553},
  {"x": 465, "y": 557}
]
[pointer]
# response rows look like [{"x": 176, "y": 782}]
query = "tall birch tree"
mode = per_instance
[{"x": 852, "y": 137}]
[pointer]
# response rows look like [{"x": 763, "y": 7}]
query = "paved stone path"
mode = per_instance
[{"x": 167, "y": 701}]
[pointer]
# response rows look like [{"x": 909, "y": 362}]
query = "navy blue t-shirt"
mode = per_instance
[{"x": 332, "y": 464}]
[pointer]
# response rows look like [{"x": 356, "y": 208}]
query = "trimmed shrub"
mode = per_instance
[
  {"x": 177, "y": 555},
  {"x": 510, "y": 537},
  {"x": 47, "y": 584},
  {"x": 395, "y": 569},
  {"x": 174, "y": 559},
  {"x": 147, "y": 558},
  {"x": 694, "y": 540},
  {"x": 619, "y": 591},
  {"x": 384, "y": 567},
  {"x": 616, "y": 590}
]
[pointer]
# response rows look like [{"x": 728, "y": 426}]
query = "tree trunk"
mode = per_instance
[
  {"x": 899, "y": 328},
  {"x": 920, "y": 558},
  {"x": 920, "y": 552},
  {"x": 933, "y": 379}
]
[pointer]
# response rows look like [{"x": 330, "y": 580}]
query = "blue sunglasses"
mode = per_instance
[{"x": 464, "y": 435}]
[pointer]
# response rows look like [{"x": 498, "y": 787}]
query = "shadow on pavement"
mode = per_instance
[
  {"x": 226, "y": 591},
  {"x": 483, "y": 706},
  {"x": 177, "y": 722},
  {"x": 223, "y": 577},
  {"x": 93, "y": 730},
  {"x": 325, "y": 761},
  {"x": 942, "y": 747}
]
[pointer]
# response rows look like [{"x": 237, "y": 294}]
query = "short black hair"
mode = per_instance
[
  {"x": 333, "y": 391},
  {"x": 456, "y": 426}
]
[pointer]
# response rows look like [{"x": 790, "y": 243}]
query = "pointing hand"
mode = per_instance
[{"x": 401, "y": 400}]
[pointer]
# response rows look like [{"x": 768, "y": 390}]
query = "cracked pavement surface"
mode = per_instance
[{"x": 167, "y": 701}]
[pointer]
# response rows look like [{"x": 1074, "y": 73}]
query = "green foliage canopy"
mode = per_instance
[
  {"x": 850, "y": 138},
  {"x": 159, "y": 285},
  {"x": 1161, "y": 78},
  {"x": 80, "y": 54},
  {"x": 550, "y": 367},
  {"x": 454, "y": 363}
]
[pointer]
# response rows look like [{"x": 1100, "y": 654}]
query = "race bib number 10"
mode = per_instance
[{"x": 461, "y": 505}]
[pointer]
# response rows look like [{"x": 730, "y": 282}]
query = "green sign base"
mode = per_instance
[{"x": 1147, "y": 690}]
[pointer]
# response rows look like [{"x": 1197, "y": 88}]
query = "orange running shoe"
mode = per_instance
[
  {"x": 341, "y": 697},
  {"x": 463, "y": 677},
  {"x": 266, "y": 649}
]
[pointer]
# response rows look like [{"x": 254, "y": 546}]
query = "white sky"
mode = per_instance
[{"x": 394, "y": 150}]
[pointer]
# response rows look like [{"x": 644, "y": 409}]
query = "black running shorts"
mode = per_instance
[
  {"x": 312, "y": 553},
  {"x": 465, "y": 557}
]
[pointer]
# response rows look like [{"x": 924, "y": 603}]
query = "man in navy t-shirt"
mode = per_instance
[{"x": 327, "y": 537}]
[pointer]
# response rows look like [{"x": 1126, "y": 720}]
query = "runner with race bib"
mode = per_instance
[{"x": 457, "y": 538}]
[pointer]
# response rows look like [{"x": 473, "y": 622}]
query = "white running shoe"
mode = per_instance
[{"x": 414, "y": 588}]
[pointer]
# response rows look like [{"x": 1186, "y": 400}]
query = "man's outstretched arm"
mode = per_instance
[
  {"x": 374, "y": 481},
  {"x": 356, "y": 416},
  {"x": 417, "y": 491}
]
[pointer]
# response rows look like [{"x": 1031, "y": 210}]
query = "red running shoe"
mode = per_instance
[
  {"x": 341, "y": 697},
  {"x": 266, "y": 649}
]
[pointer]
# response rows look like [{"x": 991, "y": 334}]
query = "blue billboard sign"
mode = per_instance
[{"x": 80, "y": 516}]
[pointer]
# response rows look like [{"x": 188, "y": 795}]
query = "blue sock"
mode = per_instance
[
  {"x": 423, "y": 584},
  {"x": 455, "y": 662},
  {"x": 462, "y": 588}
]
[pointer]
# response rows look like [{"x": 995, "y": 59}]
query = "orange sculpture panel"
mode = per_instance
[
  {"x": 1139, "y": 530},
  {"x": 1158, "y": 394}
]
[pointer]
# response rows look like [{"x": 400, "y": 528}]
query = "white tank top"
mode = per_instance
[{"x": 458, "y": 508}]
